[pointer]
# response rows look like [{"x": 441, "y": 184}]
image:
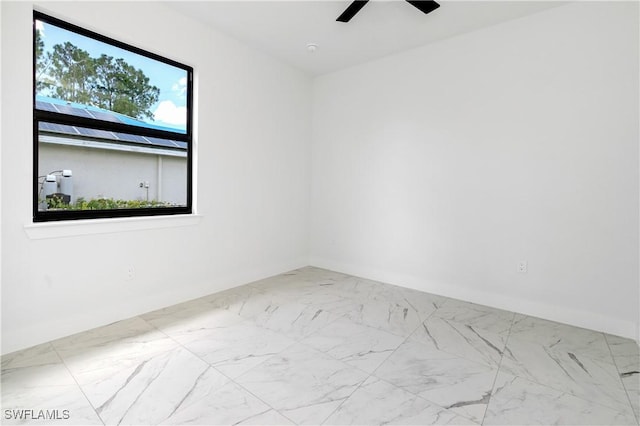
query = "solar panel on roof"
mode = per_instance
[
  {"x": 181, "y": 144},
  {"x": 57, "y": 128},
  {"x": 162, "y": 142},
  {"x": 130, "y": 138},
  {"x": 68, "y": 109},
  {"x": 105, "y": 116},
  {"x": 95, "y": 133},
  {"x": 45, "y": 106}
]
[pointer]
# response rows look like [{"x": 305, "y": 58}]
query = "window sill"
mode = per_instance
[{"x": 72, "y": 228}]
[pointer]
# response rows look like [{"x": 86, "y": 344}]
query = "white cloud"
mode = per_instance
[
  {"x": 180, "y": 87},
  {"x": 181, "y": 83},
  {"x": 169, "y": 113},
  {"x": 40, "y": 27}
]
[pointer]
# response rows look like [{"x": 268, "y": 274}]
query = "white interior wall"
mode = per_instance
[
  {"x": 437, "y": 169},
  {"x": 442, "y": 167},
  {"x": 252, "y": 131}
]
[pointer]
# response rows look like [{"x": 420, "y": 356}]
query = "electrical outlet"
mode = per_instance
[
  {"x": 131, "y": 273},
  {"x": 523, "y": 266}
]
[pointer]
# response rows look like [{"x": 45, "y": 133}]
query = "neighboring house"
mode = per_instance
[{"x": 110, "y": 164}]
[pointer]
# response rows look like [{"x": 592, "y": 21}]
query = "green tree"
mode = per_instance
[
  {"x": 122, "y": 88},
  {"x": 71, "y": 74},
  {"x": 43, "y": 82},
  {"x": 72, "y": 69},
  {"x": 39, "y": 45}
]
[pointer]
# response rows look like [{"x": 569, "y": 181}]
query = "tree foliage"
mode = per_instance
[
  {"x": 70, "y": 73},
  {"x": 72, "y": 69},
  {"x": 42, "y": 82}
]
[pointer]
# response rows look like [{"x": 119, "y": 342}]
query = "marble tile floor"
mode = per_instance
[{"x": 318, "y": 347}]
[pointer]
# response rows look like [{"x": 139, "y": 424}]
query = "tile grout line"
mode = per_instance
[
  {"x": 296, "y": 341},
  {"x": 626, "y": 391},
  {"x": 231, "y": 380},
  {"x": 406, "y": 339},
  {"x": 396, "y": 349},
  {"x": 369, "y": 376},
  {"x": 300, "y": 342},
  {"x": 344, "y": 400},
  {"x": 558, "y": 388},
  {"x": 254, "y": 395},
  {"x": 511, "y": 337},
  {"x": 493, "y": 386},
  {"x": 428, "y": 317},
  {"x": 76, "y": 382}
]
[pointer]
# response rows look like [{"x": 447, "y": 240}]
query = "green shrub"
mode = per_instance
[{"x": 105, "y": 204}]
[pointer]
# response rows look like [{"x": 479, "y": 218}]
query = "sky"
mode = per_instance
[{"x": 170, "y": 110}]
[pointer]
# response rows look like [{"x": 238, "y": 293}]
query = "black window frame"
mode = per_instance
[{"x": 66, "y": 119}]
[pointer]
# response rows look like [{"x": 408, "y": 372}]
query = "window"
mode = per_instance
[{"x": 112, "y": 127}]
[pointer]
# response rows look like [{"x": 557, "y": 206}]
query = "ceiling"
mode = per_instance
[{"x": 284, "y": 28}]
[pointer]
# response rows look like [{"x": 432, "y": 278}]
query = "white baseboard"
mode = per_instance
[
  {"x": 13, "y": 340},
  {"x": 25, "y": 337},
  {"x": 563, "y": 314}
]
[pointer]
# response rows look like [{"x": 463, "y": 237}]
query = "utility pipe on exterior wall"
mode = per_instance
[{"x": 159, "y": 184}]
